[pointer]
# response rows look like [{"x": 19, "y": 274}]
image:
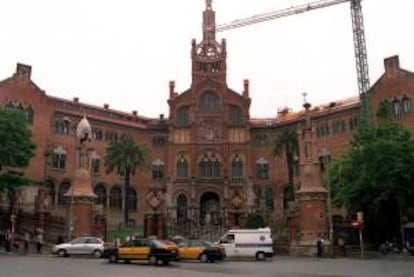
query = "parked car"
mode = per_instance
[
  {"x": 152, "y": 250},
  {"x": 202, "y": 250},
  {"x": 87, "y": 245}
]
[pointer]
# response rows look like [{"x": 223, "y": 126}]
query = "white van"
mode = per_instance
[{"x": 255, "y": 243}]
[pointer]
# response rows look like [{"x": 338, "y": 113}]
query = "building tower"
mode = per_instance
[{"x": 210, "y": 181}]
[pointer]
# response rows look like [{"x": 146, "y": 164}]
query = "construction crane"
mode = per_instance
[{"x": 361, "y": 59}]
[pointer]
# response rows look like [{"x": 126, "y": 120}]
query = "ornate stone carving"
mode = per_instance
[
  {"x": 154, "y": 199},
  {"x": 209, "y": 131},
  {"x": 237, "y": 200}
]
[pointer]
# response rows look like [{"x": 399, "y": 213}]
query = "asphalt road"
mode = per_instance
[{"x": 50, "y": 266}]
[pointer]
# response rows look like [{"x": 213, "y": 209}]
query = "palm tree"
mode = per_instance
[
  {"x": 125, "y": 156},
  {"x": 287, "y": 143}
]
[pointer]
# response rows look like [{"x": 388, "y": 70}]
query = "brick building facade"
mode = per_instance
[{"x": 211, "y": 163}]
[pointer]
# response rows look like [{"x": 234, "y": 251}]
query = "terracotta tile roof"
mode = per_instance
[{"x": 287, "y": 116}]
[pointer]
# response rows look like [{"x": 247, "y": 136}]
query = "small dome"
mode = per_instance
[{"x": 84, "y": 129}]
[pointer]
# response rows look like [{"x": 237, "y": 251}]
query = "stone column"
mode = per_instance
[
  {"x": 311, "y": 196},
  {"x": 81, "y": 196}
]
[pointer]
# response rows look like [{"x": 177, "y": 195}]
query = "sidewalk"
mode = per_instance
[{"x": 46, "y": 250}]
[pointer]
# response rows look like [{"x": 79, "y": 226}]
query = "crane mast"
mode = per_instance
[{"x": 361, "y": 58}]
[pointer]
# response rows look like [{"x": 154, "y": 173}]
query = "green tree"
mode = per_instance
[
  {"x": 287, "y": 143},
  {"x": 17, "y": 148},
  {"x": 125, "y": 156},
  {"x": 376, "y": 171}
]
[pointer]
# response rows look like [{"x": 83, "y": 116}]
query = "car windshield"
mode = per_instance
[{"x": 158, "y": 243}]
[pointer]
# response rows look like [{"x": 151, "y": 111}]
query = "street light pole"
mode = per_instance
[
  {"x": 325, "y": 155},
  {"x": 71, "y": 214}
]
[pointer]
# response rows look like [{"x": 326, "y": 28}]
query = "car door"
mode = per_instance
[
  {"x": 183, "y": 250},
  {"x": 229, "y": 244},
  {"x": 91, "y": 244},
  {"x": 127, "y": 250},
  {"x": 195, "y": 249},
  {"x": 77, "y": 246},
  {"x": 143, "y": 248}
]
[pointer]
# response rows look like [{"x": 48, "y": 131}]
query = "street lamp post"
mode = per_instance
[
  {"x": 71, "y": 214},
  {"x": 325, "y": 155}
]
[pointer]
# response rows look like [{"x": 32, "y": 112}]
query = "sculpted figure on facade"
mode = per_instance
[
  {"x": 237, "y": 201},
  {"x": 84, "y": 136},
  {"x": 209, "y": 131}
]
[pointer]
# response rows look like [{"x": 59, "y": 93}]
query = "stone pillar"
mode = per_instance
[
  {"x": 311, "y": 196},
  {"x": 81, "y": 196}
]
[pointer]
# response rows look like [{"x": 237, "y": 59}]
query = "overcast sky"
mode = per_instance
[{"x": 124, "y": 52}]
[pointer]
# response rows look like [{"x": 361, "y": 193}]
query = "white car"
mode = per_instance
[{"x": 80, "y": 246}]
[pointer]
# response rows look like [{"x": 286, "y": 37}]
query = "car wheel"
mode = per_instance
[
  {"x": 113, "y": 258},
  {"x": 152, "y": 260},
  {"x": 203, "y": 258},
  {"x": 260, "y": 256},
  {"x": 97, "y": 253},
  {"x": 165, "y": 262},
  {"x": 62, "y": 253}
]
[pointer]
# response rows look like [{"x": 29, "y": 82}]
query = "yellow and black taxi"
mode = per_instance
[
  {"x": 152, "y": 250},
  {"x": 202, "y": 250}
]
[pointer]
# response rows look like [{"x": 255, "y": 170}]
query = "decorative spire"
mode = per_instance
[
  {"x": 208, "y": 4},
  {"x": 306, "y": 104},
  {"x": 209, "y": 22}
]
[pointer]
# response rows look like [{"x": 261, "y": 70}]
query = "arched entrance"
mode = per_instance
[{"x": 210, "y": 208}]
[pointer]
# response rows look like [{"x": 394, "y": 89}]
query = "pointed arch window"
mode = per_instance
[
  {"x": 95, "y": 163},
  {"x": 235, "y": 115},
  {"x": 209, "y": 166},
  {"x": 59, "y": 158},
  {"x": 27, "y": 111},
  {"x": 182, "y": 206},
  {"x": 100, "y": 192},
  {"x": 262, "y": 169},
  {"x": 353, "y": 123},
  {"x": 237, "y": 167},
  {"x": 115, "y": 198},
  {"x": 97, "y": 134},
  {"x": 63, "y": 189},
  {"x": 406, "y": 105},
  {"x": 182, "y": 168},
  {"x": 28, "y": 114},
  {"x": 183, "y": 116},
  {"x": 209, "y": 102},
  {"x": 62, "y": 126},
  {"x": 158, "y": 169},
  {"x": 396, "y": 107},
  {"x": 132, "y": 200}
]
